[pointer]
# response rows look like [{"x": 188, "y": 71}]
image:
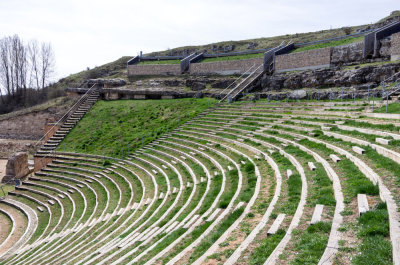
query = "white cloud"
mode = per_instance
[{"x": 89, "y": 33}]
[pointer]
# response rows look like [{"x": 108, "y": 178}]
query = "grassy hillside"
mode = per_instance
[{"x": 116, "y": 127}]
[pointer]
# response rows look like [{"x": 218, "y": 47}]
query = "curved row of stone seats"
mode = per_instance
[
  {"x": 189, "y": 220},
  {"x": 17, "y": 223},
  {"x": 384, "y": 192},
  {"x": 95, "y": 221},
  {"x": 193, "y": 152},
  {"x": 386, "y": 198},
  {"x": 154, "y": 229},
  {"x": 50, "y": 200},
  {"x": 8, "y": 224},
  {"x": 32, "y": 224},
  {"x": 333, "y": 241},
  {"x": 159, "y": 169},
  {"x": 56, "y": 187},
  {"x": 297, "y": 215},
  {"x": 136, "y": 208},
  {"x": 70, "y": 122}
]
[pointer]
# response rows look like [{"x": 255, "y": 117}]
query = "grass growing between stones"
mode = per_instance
[
  {"x": 207, "y": 242},
  {"x": 260, "y": 254},
  {"x": 311, "y": 244},
  {"x": 392, "y": 108},
  {"x": 373, "y": 231},
  {"x": 118, "y": 127}
]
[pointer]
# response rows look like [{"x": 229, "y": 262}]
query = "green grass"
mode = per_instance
[
  {"x": 388, "y": 127},
  {"x": 118, "y": 127},
  {"x": 160, "y": 62},
  {"x": 232, "y": 58},
  {"x": 392, "y": 108},
  {"x": 268, "y": 244},
  {"x": 355, "y": 181},
  {"x": 312, "y": 244},
  {"x": 374, "y": 231},
  {"x": 5, "y": 189},
  {"x": 207, "y": 242},
  {"x": 329, "y": 44}
]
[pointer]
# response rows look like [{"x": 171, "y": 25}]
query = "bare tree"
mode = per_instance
[
  {"x": 34, "y": 58},
  {"x": 25, "y": 70},
  {"x": 47, "y": 63}
]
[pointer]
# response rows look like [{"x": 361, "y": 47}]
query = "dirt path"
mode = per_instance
[
  {"x": 5, "y": 227},
  {"x": 20, "y": 225}
]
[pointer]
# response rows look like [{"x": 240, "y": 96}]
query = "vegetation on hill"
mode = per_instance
[
  {"x": 231, "y": 58},
  {"x": 329, "y": 44},
  {"x": 115, "y": 69},
  {"x": 114, "y": 128},
  {"x": 161, "y": 62}
]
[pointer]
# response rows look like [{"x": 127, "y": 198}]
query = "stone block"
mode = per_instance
[
  {"x": 382, "y": 141},
  {"x": 17, "y": 167},
  {"x": 358, "y": 150},
  {"x": 334, "y": 158}
]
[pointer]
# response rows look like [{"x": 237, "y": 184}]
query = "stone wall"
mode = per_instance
[
  {"x": 313, "y": 59},
  {"x": 154, "y": 69},
  {"x": 41, "y": 162},
  {"x": 225, "y": 67},
  {"x": 49, "y": 130},
  {"x": 395, "y": 47}
]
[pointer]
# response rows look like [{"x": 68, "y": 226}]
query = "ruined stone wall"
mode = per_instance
[
  {"x": 395, "y": 47},
  {"x": 154, "y": 69},
  {"x": 28, "y": 126},
  {"x": 225, "y": 67},
  {"x": 313, "y": 59}
]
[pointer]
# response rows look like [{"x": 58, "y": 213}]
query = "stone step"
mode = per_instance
[
  {"x": 382, "y": 141},
  {"x": 334, "y": 158},
  {"x": 191, "y": 221},
  {"x": 214, "y": 214},
  {"x": 277, "y": 223},
  {"x": 317, "y": 214},
  {"x": 311, "y": 166},
  {"x": 363, "y": 206},
  {"x": 358, "y": 150}
]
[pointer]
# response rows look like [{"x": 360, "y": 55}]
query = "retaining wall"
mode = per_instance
[
  {"x": 395, "y": 47},
  {"x": 154, "y": 69},
  {"x": 49, "y": 130},
  {"x": 225, "y": 67},
  {"x": 313, "y": 59}
]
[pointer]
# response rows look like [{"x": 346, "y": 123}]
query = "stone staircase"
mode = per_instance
[
  {"x": 244, "y": 84},
  {"x": 70, "y": 120}
]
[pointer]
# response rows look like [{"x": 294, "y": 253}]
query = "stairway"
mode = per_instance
[
  {"x": 239, "y": 88},
  {"x": 69, "y": 121}
]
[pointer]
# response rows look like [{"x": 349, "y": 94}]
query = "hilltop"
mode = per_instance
[{"x": 117, "y": 68}]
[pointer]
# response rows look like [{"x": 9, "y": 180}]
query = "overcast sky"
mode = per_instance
[{"x": 86, "y": 33}]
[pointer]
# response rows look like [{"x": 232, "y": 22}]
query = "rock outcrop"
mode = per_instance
[{"x": 359, "y": 78}]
